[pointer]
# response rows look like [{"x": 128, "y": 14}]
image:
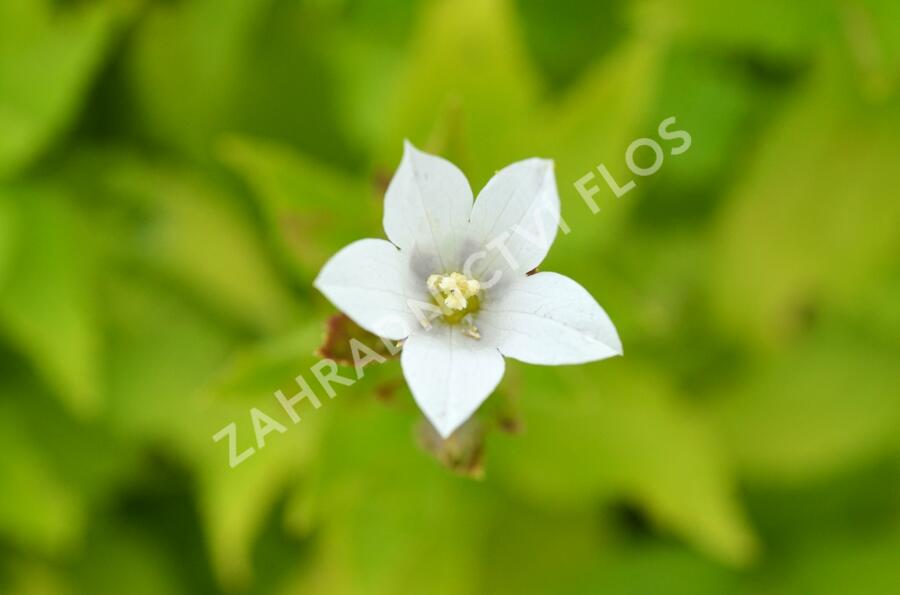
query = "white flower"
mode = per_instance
[{"x": 452, "y": 281}]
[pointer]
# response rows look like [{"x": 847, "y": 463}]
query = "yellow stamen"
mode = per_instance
[{"x": 458, "y": 297}]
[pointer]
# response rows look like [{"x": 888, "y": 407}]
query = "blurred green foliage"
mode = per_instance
[{"x": 173, "y": 173}]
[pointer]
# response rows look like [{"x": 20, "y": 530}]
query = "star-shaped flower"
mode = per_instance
[{"x": 452, "y": 283}]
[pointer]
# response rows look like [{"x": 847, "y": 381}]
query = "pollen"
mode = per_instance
[
  {"x": 459, "y": 298},
  {"x": 453, "y": 292}
]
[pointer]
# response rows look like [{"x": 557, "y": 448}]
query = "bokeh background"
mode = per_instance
[{"x": 174, "y": 173}]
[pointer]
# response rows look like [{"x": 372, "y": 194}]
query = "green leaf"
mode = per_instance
[
  {"x": 8, "y": 235},
  {"x": 620, "y": 433},
  {"x": 46, "y": 303},
  {"x": 602, "y": 112},
  {"x": 48, "y": 57},
  {"x": 178, "y": 379},
  {"x": 809, "y": 224},
  {"x": 28, "y": 576},
  {"x": 495, "y": 100},
  {"x": 118, "y": 555},
  {"x": 311, "y": 210},
  {"x": 184, "y": 65},
  {"x": 366, "y": 58},
  {"x": 52, "y": 485},
  {"x": 778, "y": 30},
  {"x": 714, "y": 102},
  {"x": 162, "y": 350},
  {"x": 874, "y": 40},
  {"x": 833, "y": 562},
  {"x": 829, "y": 404},
  {"x": 191, "y": 228},
  {"x": 236, "y": 502},
  {"x": 403, "y": 525},
  {"x": 565, "y": 37},
  {"x": 592, "y": 124},
  {"x": 663, "y": 569},
  {"x": 37, "y": 510}
]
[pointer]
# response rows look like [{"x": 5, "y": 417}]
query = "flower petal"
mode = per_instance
[
  {"x": 426, "y": 207},
  {"x": 549, "y": 319},
  {"x": 517, "y": 212},
  {"x": 449, "y": 374},
  {"x": 369, "y": 281}
]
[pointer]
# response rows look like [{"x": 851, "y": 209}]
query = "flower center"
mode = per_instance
[{"x": 458, "y": 297}]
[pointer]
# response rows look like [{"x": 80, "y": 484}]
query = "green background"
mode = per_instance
[{"x": 174, "y": 173}]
